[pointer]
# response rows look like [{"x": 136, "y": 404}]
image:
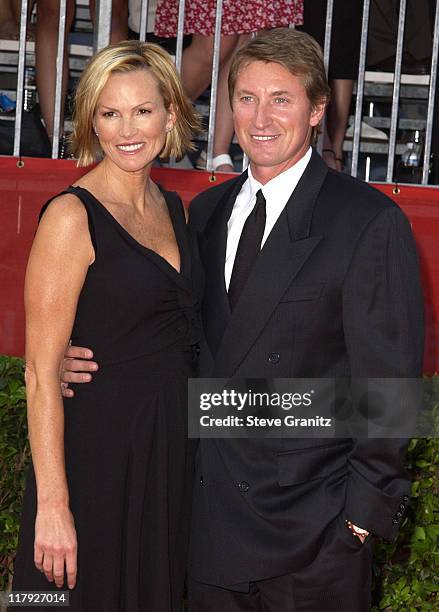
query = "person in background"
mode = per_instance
[
  {"x": 239, "y": 20},
  {"x": 46, "y": 43},
  {"x": 343, "y": 66},
  {"x": 107, "y": 501}
]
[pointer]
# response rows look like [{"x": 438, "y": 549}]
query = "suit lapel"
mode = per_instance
[
  {"x": 212, "y": 248},
  {"x": 286, "y": 250}
]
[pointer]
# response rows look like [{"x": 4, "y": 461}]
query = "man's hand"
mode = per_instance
[{"x": 77, "y": 368}]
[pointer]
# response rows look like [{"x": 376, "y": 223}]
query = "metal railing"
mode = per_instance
[{"x": 102, "y": 37}]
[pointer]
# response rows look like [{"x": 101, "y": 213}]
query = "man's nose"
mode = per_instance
[{"x": 262, "y": 118}]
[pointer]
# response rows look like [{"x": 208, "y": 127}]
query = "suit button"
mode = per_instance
[
  {"x": 395, "y": 521},
  {"x": 243, "y": 486},
  {"x": 405, "y": 498},
  {"x": 273, "y": 358},
  {"x": 201, "y": 481}
]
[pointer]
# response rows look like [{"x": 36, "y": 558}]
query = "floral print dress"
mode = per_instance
[{"x": 238, "y": 16}]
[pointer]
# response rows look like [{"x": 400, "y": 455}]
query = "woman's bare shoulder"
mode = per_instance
[
  {"x": 64, "y": 227},
  {"x": 65, "y": 210}
]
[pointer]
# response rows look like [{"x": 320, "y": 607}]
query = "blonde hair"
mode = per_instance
[
  {"x": 296, "y": 51},
  {"x": 129, "y": 56}
]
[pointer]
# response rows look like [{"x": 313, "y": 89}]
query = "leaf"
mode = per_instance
[
  {"x": 415, "y": 487},
  {"x": 385, "y": 602},
  {"x": 412, "y": 445},
  {"x": 432, "y": 531},
  {"x": 422, "y": 463}
]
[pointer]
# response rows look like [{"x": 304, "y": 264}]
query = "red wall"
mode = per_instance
[{"x": 24, "y": 190}]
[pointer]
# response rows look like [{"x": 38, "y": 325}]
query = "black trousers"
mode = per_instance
[{"x": 338, "y": 580}]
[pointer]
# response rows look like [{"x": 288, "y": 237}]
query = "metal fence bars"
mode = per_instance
[{"x": 393, "y": 79}]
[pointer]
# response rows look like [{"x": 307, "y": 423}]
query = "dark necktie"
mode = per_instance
[{"x": 248, "y": 248}]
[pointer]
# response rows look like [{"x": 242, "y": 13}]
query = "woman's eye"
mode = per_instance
[
  {"x": 144, "y": 111},
  {"x": 109, "y": 114}
]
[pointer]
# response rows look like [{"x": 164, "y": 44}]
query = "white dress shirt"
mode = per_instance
[{"x": 277, "y": 192}]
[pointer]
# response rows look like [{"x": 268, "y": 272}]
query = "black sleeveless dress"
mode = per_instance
[{"x": 129, "y": 463}]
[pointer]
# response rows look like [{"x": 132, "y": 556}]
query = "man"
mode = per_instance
[
  {"x": 334, "y": 292},
  {"x": 308, "y": 273}
]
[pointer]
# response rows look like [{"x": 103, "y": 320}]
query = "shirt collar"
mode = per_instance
[{"x": 282, "y": 183}]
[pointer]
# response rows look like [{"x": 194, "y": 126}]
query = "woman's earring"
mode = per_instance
[{"x": 94, "y": 129}]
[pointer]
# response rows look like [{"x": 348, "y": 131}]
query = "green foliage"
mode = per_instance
[
  {"x": 14, "y": 456},
  {"x": 405, "y": 572}
]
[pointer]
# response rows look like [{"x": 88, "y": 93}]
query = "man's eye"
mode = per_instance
[
  {"x": 246, "y": 99},
  {"x": 280, "y": 100}
]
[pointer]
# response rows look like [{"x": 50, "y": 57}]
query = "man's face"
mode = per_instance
[{"x": 273, "y": 118}]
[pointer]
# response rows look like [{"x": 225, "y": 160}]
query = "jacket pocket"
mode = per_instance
[
  {"x": 302, "y": 293},
  {"x": 312, "y": 463}
]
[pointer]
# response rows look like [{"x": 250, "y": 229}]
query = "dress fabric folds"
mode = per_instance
[{"x": 129, "y": 462}]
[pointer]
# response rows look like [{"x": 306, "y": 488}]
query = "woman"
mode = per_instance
[{"x": 107, "y": 500}]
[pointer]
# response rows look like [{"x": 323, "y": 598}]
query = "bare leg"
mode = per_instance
[
  {"x": 224, "y": 118},
  {"x": 337, "y": 116},
  {"x": 119, "y": 19},
  {"x": 8, "y": 27},
  {"x": 328, "y": 152},
  {"x": 196, "y": 68},
  {"x": 16, "y": 16},
  {"x": 45, "y": 57},
  {"x": 16, "y": 11},
  {"x": 196, "y": 73}
]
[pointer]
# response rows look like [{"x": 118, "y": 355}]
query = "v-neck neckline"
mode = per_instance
[{"x": 139, "y": 245}]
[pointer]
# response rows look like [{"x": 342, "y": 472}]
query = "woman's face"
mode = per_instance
[{"x": 131, "y": 120}]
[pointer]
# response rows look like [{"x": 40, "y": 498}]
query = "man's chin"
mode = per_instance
[
  {"x": 267, "y": 161},
  {"x": 264, "y": 160}
]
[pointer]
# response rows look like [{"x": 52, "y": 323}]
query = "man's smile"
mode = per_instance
[{"x": 264, "y": 138}]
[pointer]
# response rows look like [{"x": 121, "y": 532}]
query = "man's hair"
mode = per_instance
[
  {"x": 124, "y": 57},
  {"x": 296, "y": 51}
]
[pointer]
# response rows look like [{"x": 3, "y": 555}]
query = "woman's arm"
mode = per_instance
[{"x": 61, "y": 254}]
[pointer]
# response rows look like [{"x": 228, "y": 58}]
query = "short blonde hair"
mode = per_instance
[
  {"x": 129, "y": 56},
  {"x": 296, "y": 51}
]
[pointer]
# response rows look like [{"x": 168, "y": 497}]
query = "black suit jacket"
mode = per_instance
[{"x": 335, "y": 292}]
